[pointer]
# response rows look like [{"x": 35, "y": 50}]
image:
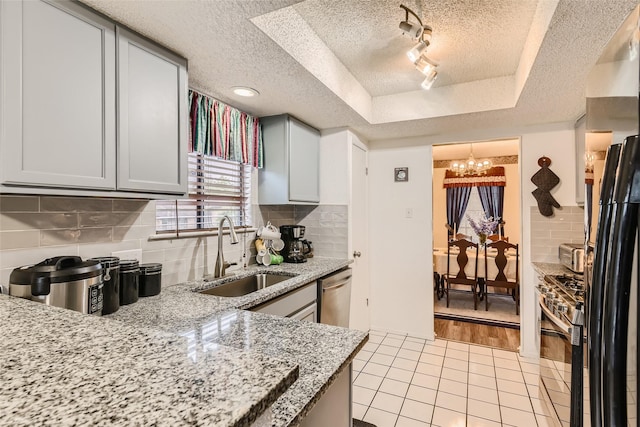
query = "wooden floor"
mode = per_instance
[{"x": 473, "y": 333}]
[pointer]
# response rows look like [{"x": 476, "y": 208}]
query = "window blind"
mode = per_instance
[{"x": 216, "y": 188}]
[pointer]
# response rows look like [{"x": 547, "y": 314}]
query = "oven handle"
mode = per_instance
[{"x": 555, "y": 319}]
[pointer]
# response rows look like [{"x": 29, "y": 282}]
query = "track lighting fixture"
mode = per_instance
[{"x": 418, "y": 53}]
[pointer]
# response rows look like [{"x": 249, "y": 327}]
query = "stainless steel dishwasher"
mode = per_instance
[{"x": 334, "y": 297}]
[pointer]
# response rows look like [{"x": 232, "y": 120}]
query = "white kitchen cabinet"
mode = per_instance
[
  {"x": 152, "y": 117},
  {"x": 298, "y": 304},
  {"x": 291, "y": 162},
  {"x": 58, "y": 102},
  {"x": 59, "y": 67}
]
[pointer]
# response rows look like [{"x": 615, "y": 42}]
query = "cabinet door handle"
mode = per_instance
[{"x": 357, "y": 254}]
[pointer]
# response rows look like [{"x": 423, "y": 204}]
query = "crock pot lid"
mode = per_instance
[{"x": 57, "y": 269}]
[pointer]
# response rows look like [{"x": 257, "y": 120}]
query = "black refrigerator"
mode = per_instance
[{"x": 612, "y": 278}]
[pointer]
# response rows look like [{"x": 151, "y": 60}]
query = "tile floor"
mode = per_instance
[{"x": 400, "y": 381}]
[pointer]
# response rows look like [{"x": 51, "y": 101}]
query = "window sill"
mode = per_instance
[{"x": 197, "y": 234}]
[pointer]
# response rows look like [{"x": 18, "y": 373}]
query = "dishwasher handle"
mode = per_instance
[
  {"x": 336, "y": 280},
  {"x": 336, "y": 286}
]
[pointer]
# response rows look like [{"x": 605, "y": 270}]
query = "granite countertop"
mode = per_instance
[
  {"x": 320, "y": 351},
  {"x": 550, "y": 268},
  {"x": 60, "y": 367},
  {"x": 179, "y": 358}
]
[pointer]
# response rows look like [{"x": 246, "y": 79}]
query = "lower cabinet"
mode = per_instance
[
  {"x": 299, "y": 304},
  {"x": 334, "y": 407}
]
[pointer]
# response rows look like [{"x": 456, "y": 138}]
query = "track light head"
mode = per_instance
[
  {"x": 411, "y": 29},
  {"x": 415, "y": 52},
  {"x": 428, "y": 82}
]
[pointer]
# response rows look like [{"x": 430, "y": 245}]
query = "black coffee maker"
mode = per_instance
[{"x": 295, "y": 248}]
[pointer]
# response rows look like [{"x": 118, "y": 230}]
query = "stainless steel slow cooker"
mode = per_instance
[{"x": 64, "y": 281}]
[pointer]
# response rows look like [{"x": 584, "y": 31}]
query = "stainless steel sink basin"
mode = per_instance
[{"x": 246, "y": 285}]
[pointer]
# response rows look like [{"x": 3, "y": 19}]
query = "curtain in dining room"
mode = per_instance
[
  {"x": 492, "y": 199},
  {"x": 457, "y": 201}
]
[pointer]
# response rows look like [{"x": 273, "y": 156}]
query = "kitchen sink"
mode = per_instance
[{"x": 246, "y": 285}]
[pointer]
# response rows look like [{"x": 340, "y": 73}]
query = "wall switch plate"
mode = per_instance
[
  {"x": 129, "y": 254},
  {"x": 408, "y": 213}
]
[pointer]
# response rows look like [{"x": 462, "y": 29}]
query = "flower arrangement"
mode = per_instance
[{"x": 483, "y": 226}]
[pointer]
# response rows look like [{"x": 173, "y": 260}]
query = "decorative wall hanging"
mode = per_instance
[
  {"x": 219, "y": 130},
  {"x": 492, "y": 177},
  {"x": 545, "y": 180},
  {"x": 401, "y": 174}
]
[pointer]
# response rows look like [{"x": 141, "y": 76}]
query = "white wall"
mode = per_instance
[{"x": 401, "y": 268}]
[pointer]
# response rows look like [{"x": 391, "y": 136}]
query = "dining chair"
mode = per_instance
[
  {"x": 500, "y": 279},
  {"x": 462, "y": 259}
]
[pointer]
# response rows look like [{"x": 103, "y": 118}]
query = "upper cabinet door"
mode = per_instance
[
  {"x": 57, "y": 108},
  {"x": 304, "y": 168},
  {"x": 152, "y": 117}
]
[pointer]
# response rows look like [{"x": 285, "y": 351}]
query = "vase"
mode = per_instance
[{"x": 483, "y": 239}]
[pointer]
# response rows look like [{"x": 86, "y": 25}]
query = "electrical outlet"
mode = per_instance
[
  {"x": 130, "y": 254},
  {"x": 408, "y": 213}
]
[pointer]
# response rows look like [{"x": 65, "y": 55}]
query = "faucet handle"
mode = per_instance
[{"x": 229, "y": 264}]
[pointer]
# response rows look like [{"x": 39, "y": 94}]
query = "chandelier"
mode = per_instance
[{"x": 471, "y": 166}]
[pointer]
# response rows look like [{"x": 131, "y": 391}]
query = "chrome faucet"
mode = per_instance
[{"x": 221, "y": 264}]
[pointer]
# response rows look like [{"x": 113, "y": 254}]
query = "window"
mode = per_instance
[
  {"x": 216, "y": 188},
  {"x": 474, "y": 209}
]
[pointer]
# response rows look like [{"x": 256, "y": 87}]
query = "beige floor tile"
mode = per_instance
[
  {"x": 399, "y": 375},
  {"x": 481, "y": 358},
  {"x": 413, "y": 345},
  {"x": 393, "y": 342},
  {"x": 416, "y": 410},
  {"x": 479, "y": 349},
  {"x": 428, "y": 369},
  {"x": 363, "y": 355},
  {"x": 484, "y": 410},
  {"x": 454, "y": 375},
  {"x": 409, "y": 365},
  {"x": 512, "y": 387},
  {"x": 482, "y": 381},
  {"x": 508, "y": 374},
  {"x": 409, "y": 422},
  {"x": 387, "y": 349},
  {"x": 405, "y": 353},
  {"x": 375, "y": 339},
  {"x": 460, "y": 365},
  {"x": 428, "y": 381},
  {"x": 368, "y": 381},
  {"x": 453, "y": 402},
  {"x": 458, "y": 346},
  {"x": 516, "y": 418},
  {"x": 514, "y": 401},
  {"x": 480, "y": 369},
  {"x": 380, "y": 418},
  {"x": 387, "y": 402},
  {"x": 504, "y": 354},
  {"x": 381, "y": 359},
  {"x": 481, "y": 422},
  {"x": 358, "y": 411},
  {"x": 452, "y": 387},
  {"x": 445, "y": 417},
  {"x": 375, "y": 369},
  {"x": 453, "y": 353},
  {"x": 434, "y": 349},
  {"x": 363, "y": 396},
  {"x": 370, "y": 346},
  {"x": 421, "y": 394},
  {"x": 432, "y": 359},
  {"x": 482, "y": 394},
  {"x": 397, "y": 388}
]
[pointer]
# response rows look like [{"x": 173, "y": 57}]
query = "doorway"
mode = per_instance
[{"x": 455, "y": 214}]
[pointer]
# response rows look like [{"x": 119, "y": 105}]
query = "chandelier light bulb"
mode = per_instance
[
  {"x": 428, "y": 82},
  {"x": 425, "y": 65}
]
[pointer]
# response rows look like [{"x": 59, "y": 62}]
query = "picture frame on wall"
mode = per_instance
[{"x": 401, "y": 174}]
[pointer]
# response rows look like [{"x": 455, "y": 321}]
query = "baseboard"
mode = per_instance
[{"x": 488, "y": 322}]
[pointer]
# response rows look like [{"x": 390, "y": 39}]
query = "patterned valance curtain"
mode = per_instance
[
  {"x": 493, "y": 177},
  {"x": 219, "y": 130}
]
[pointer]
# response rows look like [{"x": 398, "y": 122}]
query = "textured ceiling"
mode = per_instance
[
  {"x": 226, "y": 45},
  {"x": 471, "y": 40}
]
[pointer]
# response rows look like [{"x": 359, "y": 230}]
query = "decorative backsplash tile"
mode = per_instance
[{"x": 547, "y": 233}]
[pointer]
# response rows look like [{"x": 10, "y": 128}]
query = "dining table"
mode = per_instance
[{"x": 440, "y": 266}]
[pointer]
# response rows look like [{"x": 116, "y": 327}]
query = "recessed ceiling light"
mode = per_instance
[{"x": 245, "y": 91}]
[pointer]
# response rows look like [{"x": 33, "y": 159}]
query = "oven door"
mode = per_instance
[{"x": 555, "y": 364}]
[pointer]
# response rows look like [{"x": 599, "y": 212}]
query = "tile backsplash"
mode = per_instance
[
  {"x": 547, "y": 233},
  {"x": 33, "y": 228},
  {"x": 326, "y": 225}
]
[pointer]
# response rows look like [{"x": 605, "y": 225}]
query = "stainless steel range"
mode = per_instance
[{"x": 562, "y": 337}]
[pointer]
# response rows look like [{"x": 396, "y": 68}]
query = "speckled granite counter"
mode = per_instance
[
  {"x": 59, "y": 367},
  {"x": 545, "y": 268},
  {"x": 320, "y": 351}
]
